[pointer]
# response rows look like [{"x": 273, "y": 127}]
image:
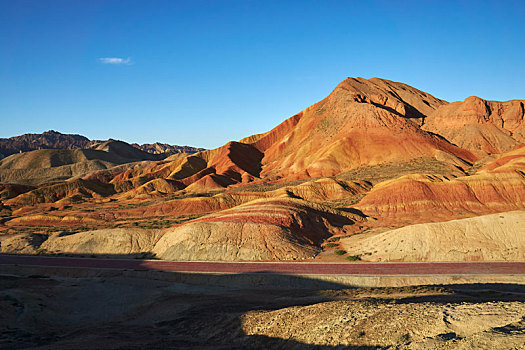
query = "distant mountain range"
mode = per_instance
[{"x": 55, "y": 140}]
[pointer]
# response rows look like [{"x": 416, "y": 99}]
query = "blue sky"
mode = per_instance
[{"x": 202, "y": 73}]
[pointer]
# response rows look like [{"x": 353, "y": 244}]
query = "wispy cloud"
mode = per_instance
[{"x": 115, "y": 60}]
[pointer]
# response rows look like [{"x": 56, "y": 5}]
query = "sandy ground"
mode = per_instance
[{"x": 112, "y": 310}]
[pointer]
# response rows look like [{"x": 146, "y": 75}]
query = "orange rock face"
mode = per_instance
[
  {"x": 499, "y": 186},
  {"x": 427, "y": 198},
  {"x": 362, "y": 122},
  {"x": 374, "y": 153},
  {"x": 483, "y": 127}
]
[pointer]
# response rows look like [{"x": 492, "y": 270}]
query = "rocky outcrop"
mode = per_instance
[
  {"x": 55, "y": 140},
  {"x": 47, "y": 140},
  {"x": 483, "y": 127},
  {"x": 164, "y": 148}
]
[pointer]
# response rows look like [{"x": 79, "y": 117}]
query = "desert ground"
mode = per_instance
[
  {"x": 378, "y": 171},
  {"x": 88, "y": 309}
]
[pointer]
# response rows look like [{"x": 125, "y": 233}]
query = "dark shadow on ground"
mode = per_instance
[{"x": 173, "y": 310}]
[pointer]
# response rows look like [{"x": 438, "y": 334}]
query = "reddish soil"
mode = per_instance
[{"x": 448, "y": 268}]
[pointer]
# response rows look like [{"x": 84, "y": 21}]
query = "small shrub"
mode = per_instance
[
  {"x": 404, "y": 338},
  {"x": 353, "y": 257},
  {"x": 41, "y": 251},
  {"x": 331, "y": 245},
  {"x": 340, "y": 252},
  {"x": 334, "y": 239}
]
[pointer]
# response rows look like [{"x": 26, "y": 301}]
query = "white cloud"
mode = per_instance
[{"x": 115, "y": 60}]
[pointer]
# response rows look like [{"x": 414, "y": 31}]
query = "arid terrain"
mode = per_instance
[
  {"x": 113, "y": 310},
  {"x": 376, "y": 171}
]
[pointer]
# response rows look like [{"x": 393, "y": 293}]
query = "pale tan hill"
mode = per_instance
[
  {"x": 51, "y": 158},
  {"x": 483, "y": 127},
  {"x": 111, "y": 241},
  {"x": 103, "y": 242},
  {"x": 39, "y": 176},
  {"x": 21, "y": 243},
  {"x": 486, "y": 238},
  {"x": 41, "y": 166}
]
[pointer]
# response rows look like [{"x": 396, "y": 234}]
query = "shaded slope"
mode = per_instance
[
  {"x": 230, "y": 164},
  {"x": 122, "y": 152},
  {"x": 74, "y": 191}
]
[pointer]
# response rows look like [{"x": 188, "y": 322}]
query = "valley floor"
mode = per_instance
[{"x": 94, "y": 309}]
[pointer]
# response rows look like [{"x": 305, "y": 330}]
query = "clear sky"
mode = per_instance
[{"x": 202, "y": 73}]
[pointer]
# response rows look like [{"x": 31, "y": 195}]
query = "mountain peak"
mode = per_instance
[{"x": 400, "y": 98}]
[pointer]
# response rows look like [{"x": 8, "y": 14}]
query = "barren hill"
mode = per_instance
[
  {"x": 164, "y": 148},
  {"x": 483, "y": 127},
  {"x": 490, "y": 237},
  {"x": 372, "y": 156},
  {"x": 40, "y": 166},
  {"x": 361, "y": 123}
]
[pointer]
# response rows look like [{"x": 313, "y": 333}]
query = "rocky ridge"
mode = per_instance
[{"x": 372, "y": 155}]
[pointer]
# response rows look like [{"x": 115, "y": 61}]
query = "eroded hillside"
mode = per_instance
[{"x": 373, "y": 156}]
